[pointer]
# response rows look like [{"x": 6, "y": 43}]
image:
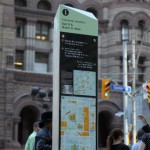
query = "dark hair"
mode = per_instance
[
  {"x": 114, "y": 135},
  {"x": 36, "y": 124},
  {"x": 140, "y": 133}
]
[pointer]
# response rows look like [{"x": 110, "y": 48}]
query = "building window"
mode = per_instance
[
  {"x": 42, "y": 31},
  {"x": 45, "y": 5},
  {"x": 140, "y": 32},
  {"x": 20, "y": 27},
  {"x": 93, "y": 11},
  {"x": 21, "y": 3},
  {"x": 141, "y": 68},
  {"x": 19, "y": 59},
  {"x": 41, "y": 62},
  {"x": 9, "y": 60},
  {"x": 124, "y": 30}
]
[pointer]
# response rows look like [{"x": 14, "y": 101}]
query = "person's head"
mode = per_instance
[
  {"x": 115, "y": 135},
  {"x": 140, "y": 133},
  {"x": 46, "y": 120},
  {"x": 36, "y": 126}
]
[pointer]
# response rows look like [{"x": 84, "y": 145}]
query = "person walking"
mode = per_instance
[
  {"x": 145, "y": 140},
  {"x": 114, "y": 140},
  {"x": 43, "y": 140},
  {"x": 140, "y": 133},
  {"x": 31, "y": 139},
  {"x": 146, "y": 126}
]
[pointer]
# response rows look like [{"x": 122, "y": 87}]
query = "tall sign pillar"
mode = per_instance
[{"x": 75, "y": 80}]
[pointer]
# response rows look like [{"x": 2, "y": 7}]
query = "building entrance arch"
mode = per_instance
[
  {"x": 107, "y": 121},
  {"x": 29, "y": 115},
  {"x": 104, "y": 125}
]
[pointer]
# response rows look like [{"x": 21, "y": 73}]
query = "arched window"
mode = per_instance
[
  {"x": 70, "y": 5},
  {"x": 21, "y": 3},
  {"x": 141, "y": 26},
  {"x": 45, "y": 5},
  {"x": 93, "y": 11},
  {"x": 124, "y": 30}
]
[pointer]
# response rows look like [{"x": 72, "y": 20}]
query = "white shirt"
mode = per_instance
[{"x": 136, "y": 145}]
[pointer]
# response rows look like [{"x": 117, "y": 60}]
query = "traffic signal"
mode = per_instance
[
  {"x": 148, "y": 92},
  {"x": 105, "y": 88}
]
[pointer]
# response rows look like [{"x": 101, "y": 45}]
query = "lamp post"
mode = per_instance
[
  {"x": 125, "y": 97},
  {"x": 133, "y": 94}
]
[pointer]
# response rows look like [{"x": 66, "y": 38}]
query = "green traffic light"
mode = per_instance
[{"x": 106, "y": 94}]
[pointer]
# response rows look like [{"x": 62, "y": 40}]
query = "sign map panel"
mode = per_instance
[{"x": 78, "y": 123}]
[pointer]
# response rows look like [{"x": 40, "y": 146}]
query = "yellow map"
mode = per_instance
[{"x": 78, "y": 123}]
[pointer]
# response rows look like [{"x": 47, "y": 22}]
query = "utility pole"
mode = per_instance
[
  {"x": 133, "y": 94},
  {"x": 125, "y": 97}
]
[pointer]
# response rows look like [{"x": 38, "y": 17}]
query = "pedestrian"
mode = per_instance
[
  {"x": 43, "y": 139},
  {"x": 145, "y": 140},
  {"x": 140, "y": 133},
  {"x": 114, "y": 140},
  {"x": 31, "y": 139},
  {"x": 146, "y": 126}
]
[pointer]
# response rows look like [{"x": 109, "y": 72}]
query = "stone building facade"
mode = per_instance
[{"x": 26, "y": 50}]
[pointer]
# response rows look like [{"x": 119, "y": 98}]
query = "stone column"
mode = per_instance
[
  {"x": 50, "y": 59},
  {"x": 30, "y": 45},
  {"x": 105, "y": 13},
  {"x": 16, "y": 121}
]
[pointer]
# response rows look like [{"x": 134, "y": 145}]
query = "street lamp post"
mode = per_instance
[
  {"x": 133, "y": 94},
  {"x": 125, "y": 96}
]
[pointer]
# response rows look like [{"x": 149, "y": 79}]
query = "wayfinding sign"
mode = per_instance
[
  {"x": 75, "y": 79},
  {"x": 120, "y": 88}
]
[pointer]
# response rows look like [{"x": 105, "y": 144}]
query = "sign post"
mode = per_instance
[{"x": 75, "y": 80}]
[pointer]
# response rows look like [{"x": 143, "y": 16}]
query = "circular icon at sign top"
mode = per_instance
[{"x": 65, "y": 12}]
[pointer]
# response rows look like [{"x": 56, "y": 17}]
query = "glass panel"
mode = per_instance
[
  {"x": 141, "y": 74},
  {"x": 41, "y": 57},
  {"x": 38, "y": 29},
  {"x": 44, "y": 5},
  {"x": 9, "y": 60},
  {"x": 19, "y": 59},
  {"x": 141, "y": 25},
  {"x": 41, "y": 62},
  {"x": 20, "y": 28},
  {"x": 44, "y": 29},
  {"x": 124, "y": 33},
  {"x": 124, "y": 30},
  {"x": 40, "y": 67}
]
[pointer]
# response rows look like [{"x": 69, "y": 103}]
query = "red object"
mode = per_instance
[{"x": 148, "y": 87}]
